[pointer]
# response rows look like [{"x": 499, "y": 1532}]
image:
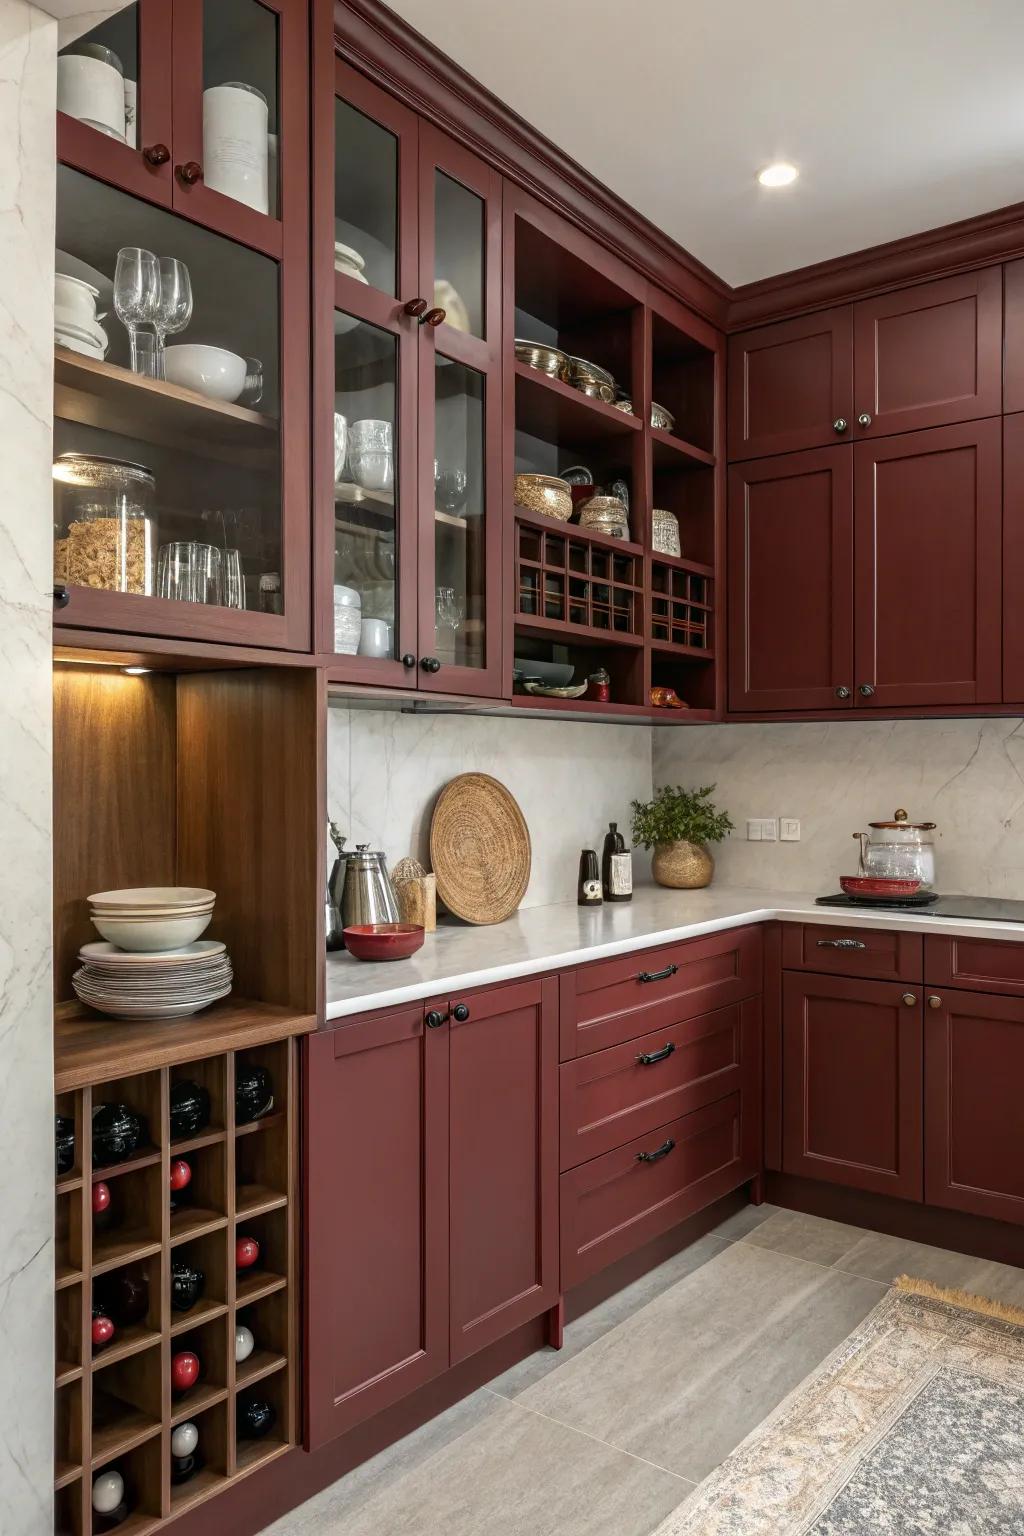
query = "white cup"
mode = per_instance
[
  {"x": 370, "y": 433},
  {"x": 374, "y": 638},
  {"x": 91, "y": 89},
  {"x": 372, "y": 468}
]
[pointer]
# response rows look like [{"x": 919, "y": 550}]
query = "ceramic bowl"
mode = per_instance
[
  {"x": 151, "y": 935},
  {"x": 383, "y": 941},
  {"x": 74, "y": 299},
  {"x": 878, "y": 887},
  {"x": 210, "y": 371}
]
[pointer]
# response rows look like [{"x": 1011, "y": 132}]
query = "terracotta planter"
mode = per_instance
[{"x": 682, "y": 866}]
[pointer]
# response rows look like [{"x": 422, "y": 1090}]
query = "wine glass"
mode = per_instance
[
  {"x": 175, "y": 307},
  {"x": 136, "y": 293}
]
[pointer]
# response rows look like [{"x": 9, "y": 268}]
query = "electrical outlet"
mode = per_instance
[
  {"x": 789, "y": 829},
  {"x": 754, "y": 831},
  {"x": 762, "y": 829}
]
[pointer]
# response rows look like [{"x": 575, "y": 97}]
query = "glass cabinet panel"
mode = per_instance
[
  {"x": 459, "y": 273},
  {"x": 365, "y": 488},
  {"x": 365, "y": 199},
  {"x": 241, "y": 151},
  {"x": 459, "y": 522},
  {"x": 98, "y": 77}
]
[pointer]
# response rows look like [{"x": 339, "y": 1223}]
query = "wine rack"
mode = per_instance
[
  {"x": 682, "y": 610},
  {"x": 582, "y": 583}
]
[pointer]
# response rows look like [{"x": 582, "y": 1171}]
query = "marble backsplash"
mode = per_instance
[
  {"x": 385, "y": 771},
  {"x": 965, "y": 775}
]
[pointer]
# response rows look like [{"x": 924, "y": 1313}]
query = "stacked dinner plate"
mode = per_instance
[{"x": 169, "y": 985}]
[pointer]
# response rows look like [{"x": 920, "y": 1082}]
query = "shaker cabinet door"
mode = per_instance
[
  {"x": 1013, "y": 557},
  {"x": 790, "y": 580},
  {"x": 928, "y": 522},
  {"x": 791, "y": 385}
]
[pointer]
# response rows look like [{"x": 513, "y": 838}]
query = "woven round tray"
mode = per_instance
[{"x": 480, "y": 849}]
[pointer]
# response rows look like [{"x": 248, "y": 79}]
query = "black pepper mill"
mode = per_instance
[
  {"x": 588, "y": 892},
  {"x": 616, "y": 866}
]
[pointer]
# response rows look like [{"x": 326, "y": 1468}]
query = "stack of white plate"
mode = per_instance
[
  {"x": 90, "y": 339},
  {"x": 169, "y": 985},
  {"x": 150, "y": 918}
]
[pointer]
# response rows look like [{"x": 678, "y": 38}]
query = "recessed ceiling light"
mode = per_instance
[{"x": 781, "y": 174}]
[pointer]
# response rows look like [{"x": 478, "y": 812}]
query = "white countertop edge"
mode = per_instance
[{"x": 796, "y": 908}]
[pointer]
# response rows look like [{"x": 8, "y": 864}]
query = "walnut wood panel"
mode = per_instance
[
  {"x": 626, "y": 1091},
  {"x": 1013, "y": 336},
  {"x": 790, "y": 527},
  {"x": 615, "y": 1203},
  {"x": 977, "y": 965},
  {"x": 929, "y": 355},
  {"x": 1013, "y": 551},
  {"x": 882, "y": 954},
  {"x": 852, "y": 1099},
  {"x": 974, "y": 1132},
  {"x": 933, "y": 637},
  {"x": 611, "y": 1001},
  {"x": 791, "y": 385}
]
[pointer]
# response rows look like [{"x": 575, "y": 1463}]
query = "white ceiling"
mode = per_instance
[{"x": 901, "y": 114}]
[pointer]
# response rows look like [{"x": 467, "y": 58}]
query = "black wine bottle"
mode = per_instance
[{"x": 616, "y": 866}]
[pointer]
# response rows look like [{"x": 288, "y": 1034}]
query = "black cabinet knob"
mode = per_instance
[
  {"x": 61, "y": 596},
  {"x": 460, "y": 1013},
  {"x": 430, "y": 664},
  {"x": 434, "y": 1020},
  {"x": 408, "y": 660}
]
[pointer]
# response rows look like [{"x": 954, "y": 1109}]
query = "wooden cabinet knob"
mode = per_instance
[
  {"x": 415, "y": 307},
  {"x": 156, "y": 154},
  {"x": 433, "y": 317},
  {"x": 190, "y": 172}
]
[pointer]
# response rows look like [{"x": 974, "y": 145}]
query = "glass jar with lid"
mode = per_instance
[
  {"x": 899, "y": 849},
  {"x": 106, "y": 532}
]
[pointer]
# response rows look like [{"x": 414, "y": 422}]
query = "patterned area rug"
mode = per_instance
[{"x": 914, "y": 1426}]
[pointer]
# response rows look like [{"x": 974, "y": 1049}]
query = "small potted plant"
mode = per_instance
[{"x": 677, "y": 824}]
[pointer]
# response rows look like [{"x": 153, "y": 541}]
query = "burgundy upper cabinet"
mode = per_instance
[
  {"x": 790, "y": 579},
  {"x": 928, "y": 518},
  {"x": 791, "y": 385},
  {"x": 929, "y": 355},
  {"x": 852, "y": 1098},
  {"x": 1013, "y": 336},
  {"x": 1013, "y": 556}
]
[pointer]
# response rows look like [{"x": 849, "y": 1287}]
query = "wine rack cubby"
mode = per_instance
[
  {"x": 578, "y": 583},
  {"x": 682, "y": 611}
]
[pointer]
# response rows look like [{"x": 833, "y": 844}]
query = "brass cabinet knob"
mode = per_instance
[
  {"x": 934, "y": 1001},
  {"x": 840, "y": 424},
  {"x": 909, "y": 999}
]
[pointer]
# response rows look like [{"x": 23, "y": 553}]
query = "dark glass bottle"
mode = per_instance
[
  {"x": 616, "y": 866},
  {"x": 588, "y": 891}
]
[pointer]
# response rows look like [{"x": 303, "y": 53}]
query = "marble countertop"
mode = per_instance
[{"x": 459, "y": 956}]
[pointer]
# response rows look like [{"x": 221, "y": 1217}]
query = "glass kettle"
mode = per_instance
[{"x": 899, "y": 849}]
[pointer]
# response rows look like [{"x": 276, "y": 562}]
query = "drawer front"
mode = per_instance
[
  {"x": 882, "y": 954},
  {"x": 978, "y": 965},
  {"x": 616, "y": 1203},
  {"x": 615, "y": 1000},
  {"x": 616, "y": 1095}
]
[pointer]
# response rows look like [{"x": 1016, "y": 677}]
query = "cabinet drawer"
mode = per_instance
[
  {"x": 616, "y": 1203},
  {"x": 979, "y": 965},
  {"x": 616, "y": 1000},
  {"x": 628, "y": 1090},
  {"x": 883, "y": 954}
]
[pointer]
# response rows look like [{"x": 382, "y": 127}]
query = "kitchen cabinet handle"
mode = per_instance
[
  {"x": 669, "y": 970},
  {"x": 934, "y": 1001},
  {"x": 658, "y": 1153},
  {"x": 863, "y": 420},
  {"x": 156, "y": 154},
  {"x": 433, "y": 318},
  {"x": 460, "y": 1013},
  {"x": 909, "y": 999},
  {"x": 648, "y": 1058},
  {"x": 840, "y": 424},
  {"x": 190, "y": 172},
  {"x": 430, "y": 664},
  {"x": 866, "y": 690},
  {"x": 841, "y": 944},
  {"x": 434, "y": 1020},
  {"x": 408, "y": 660},
  {"x": 61, "y": 596},
  {"x": 842, "y": 692},
  {"x": 415, "y": 306}
]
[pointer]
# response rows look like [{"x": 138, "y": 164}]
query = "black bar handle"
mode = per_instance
[
  {"x": 669, "y": 970},
  {"x": 648, "y": 1058},
  {"x": 657, "y": 1155}
]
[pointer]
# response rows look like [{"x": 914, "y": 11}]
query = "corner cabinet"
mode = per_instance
[
  {"x": 407, "y": 435},
  {"x": 432, "y": 1220}
]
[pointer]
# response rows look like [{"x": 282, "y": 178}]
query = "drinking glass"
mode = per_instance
[
  {"x": 136, "y": 293},
  {"x": 252, "y": 394},
  {"x": 234, "y": 581},
  {"x": 209, "y": 579},
  {"x": 174, "y": 310},
  {"x": 448, "y": 610},
  {"x": 175, "y": 576}
]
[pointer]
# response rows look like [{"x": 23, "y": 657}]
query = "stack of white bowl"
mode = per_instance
[
  {"x": 154, "y": 965},
  {"x": 76, "y": 324}
]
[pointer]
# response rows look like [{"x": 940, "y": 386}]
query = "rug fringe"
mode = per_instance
[{"x": 1003, "y": 1311}]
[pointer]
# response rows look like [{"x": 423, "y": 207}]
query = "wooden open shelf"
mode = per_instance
[
  {"x": 553, "y": 410},
  {"x": 673, "y": 452}
]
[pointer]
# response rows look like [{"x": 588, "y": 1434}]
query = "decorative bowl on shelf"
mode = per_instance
[
  {"x": 878, "y": 887},
  {"x": 546, "y": 494},
  {"x": 151, "y": 934},
  {"x": 661, "y": 420},
  {"x": 383, "y": 941},
  {"x": 550, "y": 360},
  {"x": 605, "y": 514},
  {"x": 546, "y": 691},
  {"x": 210, "y": 371}
]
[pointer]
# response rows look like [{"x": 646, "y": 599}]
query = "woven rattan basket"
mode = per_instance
[{"x": 480, "y": 849}]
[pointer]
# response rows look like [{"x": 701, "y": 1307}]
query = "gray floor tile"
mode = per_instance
[
  {"x": 600, "y": 1320},
  {"x": 513, "y": 1474},
  {"x": 741, "y": 1222},
  {"x": 806, "y": 1237},
  {"x": 682, "y": 1383},
  {"x": 880, "y": 1257}
]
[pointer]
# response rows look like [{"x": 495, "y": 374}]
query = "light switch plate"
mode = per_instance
[
  {"x": 789, "y": 829},
  {"x": 762, "y": 829}
]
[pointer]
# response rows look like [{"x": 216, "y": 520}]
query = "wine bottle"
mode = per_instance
[{"x": 616, "y": 866}]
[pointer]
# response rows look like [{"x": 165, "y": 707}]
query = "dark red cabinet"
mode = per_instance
[
  {"x": 1013, "y": 336},
  {"x": 929, "y": 355},
  {"x": 974, "y": 1130},
  {"x": 791, "y": 385},
  {"x": 431, "y": 1193},
  {"x": 790, "y": 581},
  {"x": 852, "y": 1083},
  {"x": 1013, "y": 554},
  {"x": 927, "y": 530}
]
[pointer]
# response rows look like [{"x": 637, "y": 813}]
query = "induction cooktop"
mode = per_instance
[{"x": 986, "y": 909}]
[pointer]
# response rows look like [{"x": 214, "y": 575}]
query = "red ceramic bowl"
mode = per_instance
[
  {"x": 873, "y": 885},
  {"x": 383, "y": 941}
]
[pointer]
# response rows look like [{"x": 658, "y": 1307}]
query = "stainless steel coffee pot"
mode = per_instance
[{"x": 367, "y": 895}]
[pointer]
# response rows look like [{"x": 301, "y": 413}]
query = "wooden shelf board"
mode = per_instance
[
  {"x": 681, "y": 563},
  {"x": 127, "y": 1341},
  {"x": 256, "y": 1453},
  {"x": 139, "y": 1524},
  {"x": 68, "y": 1184},
  {"x": 276, "y": 1117},
  {"x": 101, "y": 394},
  {"x": 112, "y": 1249},
  {"x": 200, "y": 1397},
  {"x": 203, "y": 1486},
  {"x": 256, "y": 1199},
  {"x": 89, "y": 1049},
  {"x": 261, "y": 1363},
  {"x": 129, "y": 1429},
  {"x": 194, "y": 1221},
  {"x": 671, "y": 452},
  {"x": 65, "y": 1373},
  {"x": 689, "y": 652},
  {"x": 66, "y": 1275},
  {"x": 682, "y": 716},
  {"x": 255, "y": 1287},
  {"x": 552, "y": 410},
  {"x": 591, "y": 535},
  {"x": 66, "y": 1472},
  {"x": 208, "y": 1138},
  {"x": 559, "y": 631},
  {"x": 144, "y": 1159},
  {"x": 203, "y": 1312}
]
